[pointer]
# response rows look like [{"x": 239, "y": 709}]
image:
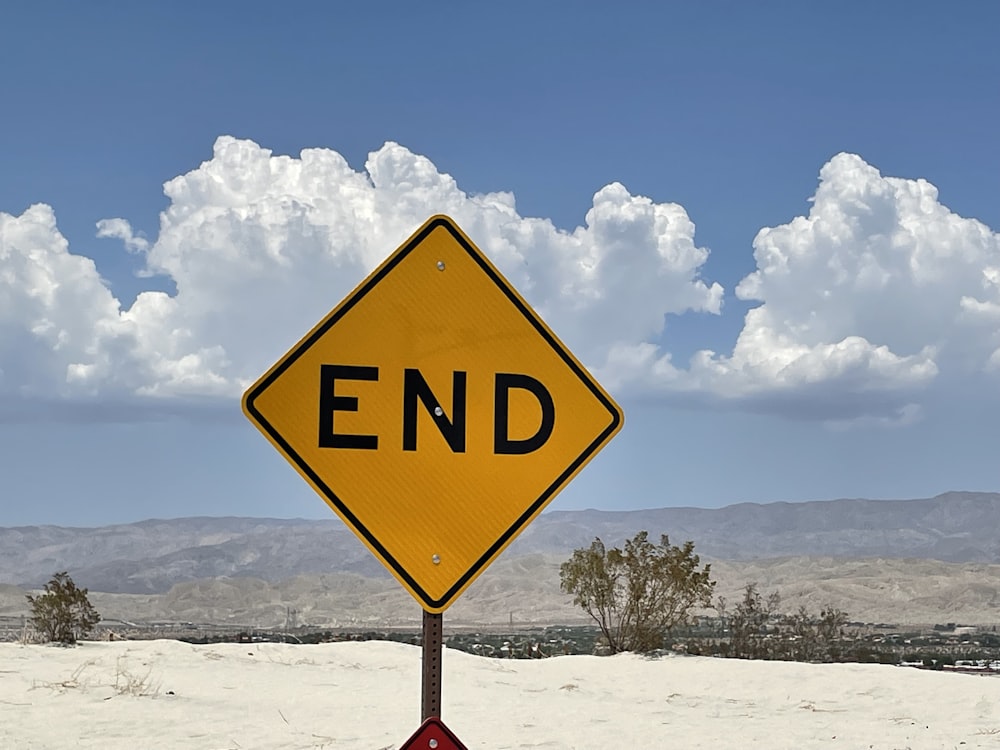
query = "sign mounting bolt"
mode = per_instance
[
  {"x": 436, "y": 559},
  {"x": 440, "y": 265},
  {"x": 432, "y": 742}
]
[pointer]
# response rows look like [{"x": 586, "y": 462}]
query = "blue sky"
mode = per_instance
[{"x": 853, "y": 343}]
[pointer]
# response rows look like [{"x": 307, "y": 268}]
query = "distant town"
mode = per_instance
[{"x": 947, "y": 646}]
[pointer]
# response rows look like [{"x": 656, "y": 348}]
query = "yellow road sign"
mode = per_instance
[{"x": 434, "y": 412}]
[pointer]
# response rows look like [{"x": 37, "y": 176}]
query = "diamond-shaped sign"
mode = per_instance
[
  {"x": 433, "y": 735},
  {"x": 434, "y": 411}
]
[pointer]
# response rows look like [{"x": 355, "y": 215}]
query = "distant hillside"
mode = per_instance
[
  {"x": 523, "y": 590},
  {"x": 953, "y": 527},
  {"x": 152, "y": 556}
]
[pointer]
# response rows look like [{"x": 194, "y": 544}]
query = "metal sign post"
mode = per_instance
[{"x": 430, "y": 694}]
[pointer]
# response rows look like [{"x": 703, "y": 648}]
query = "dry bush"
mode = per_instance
[{"x": 139, "y": 683}]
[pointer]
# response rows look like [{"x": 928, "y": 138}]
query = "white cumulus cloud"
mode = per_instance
[
  {"x": 866, "y": 301},
  {"x": 261, "y": 246},
  {"x": 57, "y": 318},
  {"x": 122, "y": 230},
  {"x": 862, "y": 307}
]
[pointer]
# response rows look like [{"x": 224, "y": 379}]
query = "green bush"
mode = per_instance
[
  {"x": 63, "y": 613},
  {"x": 638, "y": 595}
]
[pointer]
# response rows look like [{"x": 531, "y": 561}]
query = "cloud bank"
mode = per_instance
[{"x": 864, "y": 303}]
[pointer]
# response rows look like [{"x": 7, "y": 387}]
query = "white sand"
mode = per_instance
[{"x": 367, "y": 696}]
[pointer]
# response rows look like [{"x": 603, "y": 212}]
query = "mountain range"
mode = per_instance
[
  {"x": 151, "y": 556},
  {"x": 927, "y": 558}
]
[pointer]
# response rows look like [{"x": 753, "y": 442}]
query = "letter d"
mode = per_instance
[{"x": 502, "y": 443}]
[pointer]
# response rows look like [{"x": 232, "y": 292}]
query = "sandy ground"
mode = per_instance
[{"x": 167, "y": 694}]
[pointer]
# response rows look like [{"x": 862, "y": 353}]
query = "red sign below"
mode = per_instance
[{"x": 433, "y": 735}]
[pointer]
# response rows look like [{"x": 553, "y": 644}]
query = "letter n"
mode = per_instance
[{"x": 415, "y": 389}]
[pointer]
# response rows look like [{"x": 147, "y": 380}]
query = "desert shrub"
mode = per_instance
[
  {"x": 637, "y": 595},
  {"x": 756, "y": 630},
  {"x": 747, "y": 623},
  {"x": 63, "y": 613}
]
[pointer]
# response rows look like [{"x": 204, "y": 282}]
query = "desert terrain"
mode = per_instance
[{"x": 365, "y": 696}]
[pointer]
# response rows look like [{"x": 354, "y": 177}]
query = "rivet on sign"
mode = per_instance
[
  {"x": 432, "y": 742},
  {"x": 438, "y": 411},
  {"x": 440, "y": 268},
  {"x": 436, "y": 559}
]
